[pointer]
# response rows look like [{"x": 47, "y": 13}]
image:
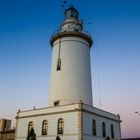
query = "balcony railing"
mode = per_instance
[{"x": 57, "y": 32}]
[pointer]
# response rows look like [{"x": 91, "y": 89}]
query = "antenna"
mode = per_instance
[
  {"x": 99, "y": 84},
  {"x": 98, "y": 76}
]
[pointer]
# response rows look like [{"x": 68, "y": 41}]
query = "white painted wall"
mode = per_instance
[
  {"x": 71, "y": 24},
  {"x": 87, "y": 127},
  {"x": 73, "y": 82},
  {"x": 70, "y": 115},
  {"x": 70, "y": 123}
]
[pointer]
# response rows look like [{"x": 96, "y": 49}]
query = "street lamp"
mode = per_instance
[{"x": 137, "y": 113}]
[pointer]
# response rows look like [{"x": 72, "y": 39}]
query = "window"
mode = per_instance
[
  {"x": 112, "y": 131},
  {"x": 94, "y": 127},
  {"x": 30, "y": 126},
  {"x": 76, "y": 30},
  {"x": 31, "y": 133},
  {"x": 56, "y": 103},
  {"x": 103, "y": 130},
  {"x": 58, "y": 64},
  {"x": 60, "y": 126},
  {"x": 44, "y": 127}
]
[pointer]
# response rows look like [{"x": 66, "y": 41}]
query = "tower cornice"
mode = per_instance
[{"x": 83, "y": 35}]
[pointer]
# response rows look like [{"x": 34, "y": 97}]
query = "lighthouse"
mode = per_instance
[
  {"x": 70, "y": 69},
  {"x": 70, "y": 114}
]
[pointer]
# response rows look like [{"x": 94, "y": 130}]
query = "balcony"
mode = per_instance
[
  {"x": 82, "y": 34},
  {"x": 58, "y": 32}
]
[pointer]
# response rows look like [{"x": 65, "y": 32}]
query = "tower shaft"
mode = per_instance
[{"x": 70, "y": 68}]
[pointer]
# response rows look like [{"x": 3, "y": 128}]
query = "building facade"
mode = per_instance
[
  {"x": 75, "y": 121},
  {"x": 70, "y": 114},
  {"x": 6, "y": 133},
  {"x": 5, "y": 124}
]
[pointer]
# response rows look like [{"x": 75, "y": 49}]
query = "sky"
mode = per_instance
[{"x": 25, "y": 55}]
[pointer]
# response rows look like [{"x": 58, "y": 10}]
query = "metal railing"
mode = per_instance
[{"x": 57, "y": 32}]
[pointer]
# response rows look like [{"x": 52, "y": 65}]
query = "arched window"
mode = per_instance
[
  {"x": 103, "y": 130},
  {"x": 44, "y": 127},
  {"x": 94, "y": 127},
  {"x": 112, "y": 131},
  {"x": 60, "y": 126},
  {"x": 30, "y": 126}
]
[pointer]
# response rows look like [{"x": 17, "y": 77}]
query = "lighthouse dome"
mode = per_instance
[
  {"x": 71, "y": 13},
  {"x": 71, "y": 21}
]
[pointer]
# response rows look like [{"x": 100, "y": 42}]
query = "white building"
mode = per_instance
[{"x": 70, "y": 114}]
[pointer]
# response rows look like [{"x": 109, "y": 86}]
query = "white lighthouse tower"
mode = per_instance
[
  {"x": 70, "y": 70},
  {"x": 70, "y": 115}
]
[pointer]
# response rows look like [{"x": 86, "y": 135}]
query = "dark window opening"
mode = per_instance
[
  {"x": 103, "y": 130},
  {"x": 112, "y": 131},
  {"x": 94, "y": 127},
  {"x": 44, "y": 127},
  {"x": 60, "y": 126},
  {"x": 31, "y": 132},
  {"x": 58, "y": 138},
  {"x": 76, "y": 30},
  {"x": 58, "y": 64},
  {"x": 30, "y": 126},
  {"x": 56, "y": 103}
]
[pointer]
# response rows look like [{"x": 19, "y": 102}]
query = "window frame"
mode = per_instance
[
  {"x": 112, "y": 131},
  {"x": 60, "y": 126},
  {"x": 94, "y": 132},
  {"x": 44, "y": 127},
  {"x": 103, "y": 129},
  {"x": 30, "y": 125}
]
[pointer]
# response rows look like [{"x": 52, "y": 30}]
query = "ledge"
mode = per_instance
[{"x": 83, "y": 35}]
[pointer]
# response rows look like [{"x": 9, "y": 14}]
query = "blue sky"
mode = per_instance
[{"x": 25, "y": 55}]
